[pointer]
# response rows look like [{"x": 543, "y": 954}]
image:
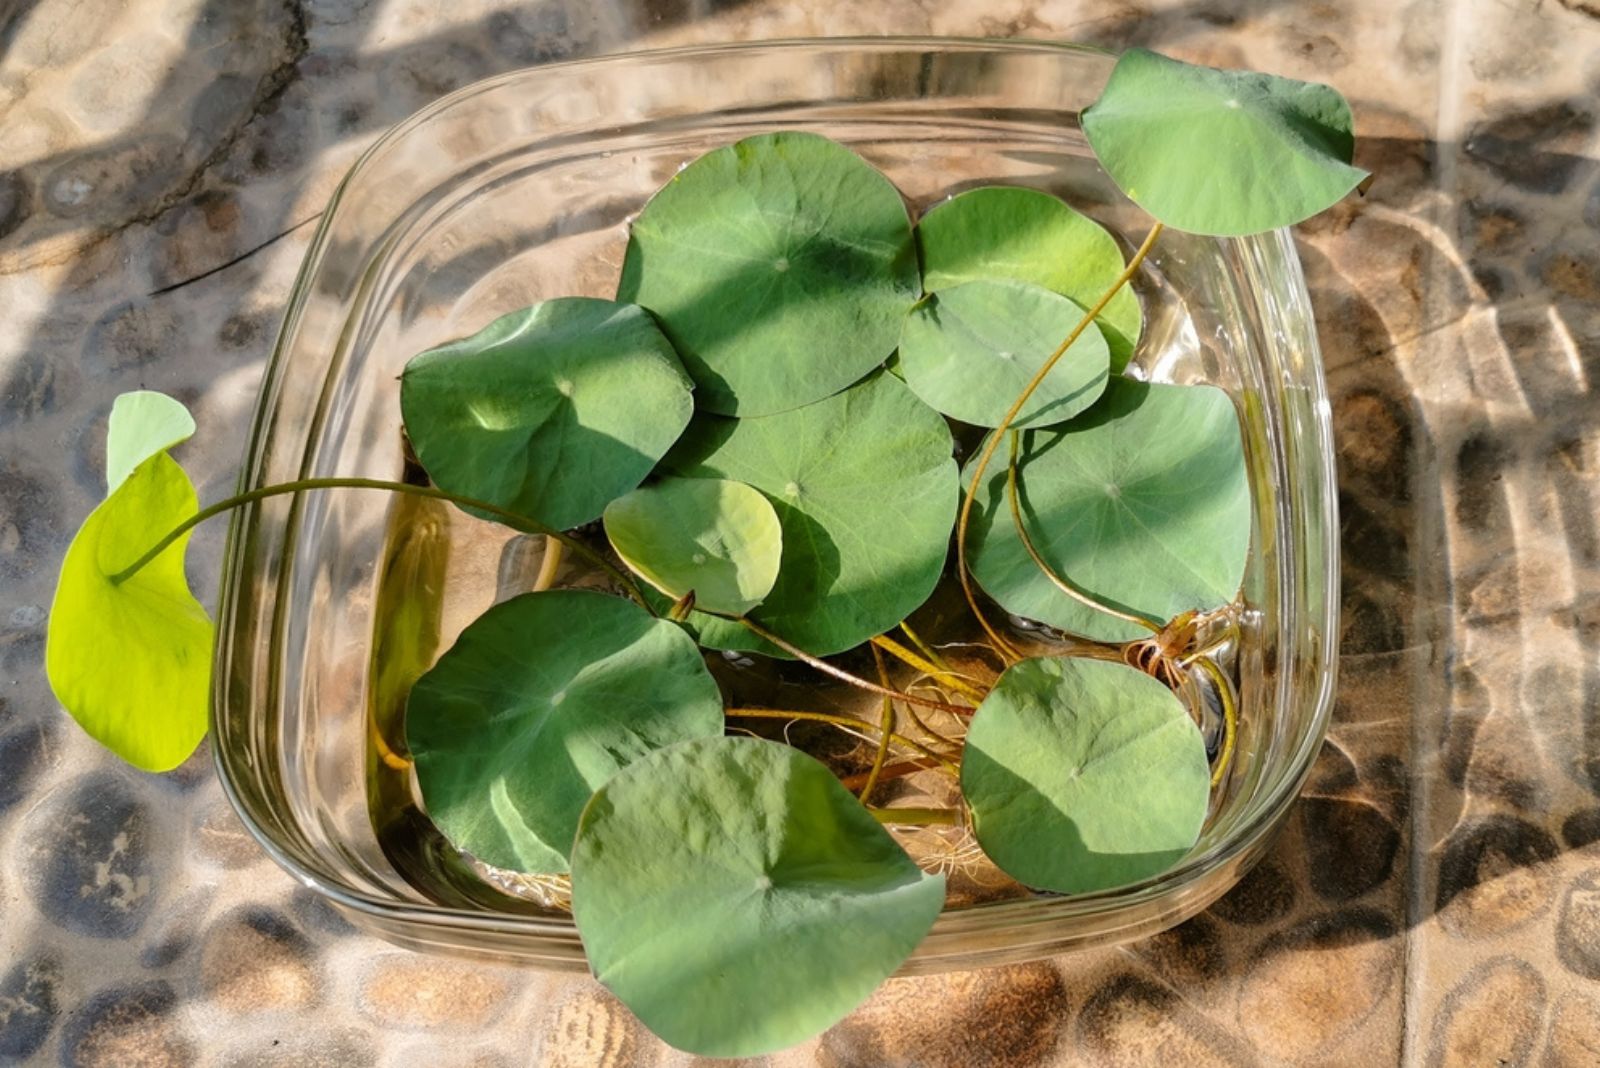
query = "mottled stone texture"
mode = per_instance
[{"x": 1435, "y": 896}]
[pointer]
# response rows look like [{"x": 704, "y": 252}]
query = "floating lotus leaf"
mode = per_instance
[
  {"x": 779, "y": 266},
  {"x": 738, "y": 899},
  {"x": 998, "y": 232},
  {"x": 1218, "y": 151},
  {"x": 551, "y": 412},
  {"x": 865, "y": 490},
  {"x": 719, "y": 540},
  {"x": 542, "y": 699},
  {"x": 1083, "y": 775},
  {"x": 1143, "y": 503},
  {"x": 970, "y": 351}
]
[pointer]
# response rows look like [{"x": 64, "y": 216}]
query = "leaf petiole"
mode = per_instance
[
  {"x": 1230, "y": 716},
  {"x": 1044, "y": 565},
  {"x": 885, "y": 728},
  {"x": 932, "y": 670},
  {"x": 549, "y": 564},
  {"x": 839, "y": 721},
  {"x": 981, "y": 467},
  {"x": 917, "y": 817},
  {"x": 923, "y": 647},
  {"x": 511, "y": 519},
  {"x": 844, "y": 676}
]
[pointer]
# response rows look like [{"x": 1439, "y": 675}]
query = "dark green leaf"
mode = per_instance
[
  {"x": 551, "y": 412},
  {"x": 780, "y": 266},
  {"x": 539, "y": 701}
]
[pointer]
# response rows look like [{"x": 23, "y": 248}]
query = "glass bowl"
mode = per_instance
[{"x": 519, "y": 188}]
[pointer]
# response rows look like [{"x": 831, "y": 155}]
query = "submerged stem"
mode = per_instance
[
  {"x": 1044, "y": 565},
  {"x": 1230, "y": 717},
  {"x": 891, "y": 771},
  {"x": 900, "y": 652},
  {"x": 930, "y": 733},
  {"x": 885, "y": 727},
  {"x": 839, "y": 721},
  {"x": 511, "y": 519},
  {"x": 549, "y": 564},
  {"x": 844, "y": 676},
  {"x": 917, "y": 817},
  {"x": 981, "y": 467},
  {"x": 924, "y": 648}
]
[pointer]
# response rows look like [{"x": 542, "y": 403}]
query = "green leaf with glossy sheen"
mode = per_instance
[
  {"x": 1082, "y": 775},
  {"x": 131, "y": 661},
  {"x": 970, "y": 351},
  {"x": 738, "y": 899},
  {"x": 720, "y": 540},
  {"x": 540, "y": 701},
  {"x": 142, "y": 424},
  {"x": 1143, "y": 502},
  {"x": 865, "y": 489},
  {"x": 1219, "y": 151},
  {"x": 780, "y": 266},
  {"x": 1026, "y": 235},
  {"x": 551, "y": 412}
]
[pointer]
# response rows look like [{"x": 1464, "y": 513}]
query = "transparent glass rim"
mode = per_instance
[{"x": 1027, "y": 928}]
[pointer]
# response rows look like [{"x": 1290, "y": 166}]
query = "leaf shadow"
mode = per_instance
[{"x": 730, "y": 302}]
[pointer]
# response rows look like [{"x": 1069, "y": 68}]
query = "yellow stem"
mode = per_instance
[
  {"x": 981, "y": 467},
  {"x": 840, "y": 721},
  {"x": 842, "y": 675},
  {"x": 1044, "y": 565},
  {"x": 917, "y": 817},
  {"x": 924, "y": 648},
  {"x": 900, "y": 652},
  {"x": 885, "y": 727},
  {"x": 893, "y": 771},
  {"x": 1230, "y": 717},
  {"x": 548, "y": 565}
]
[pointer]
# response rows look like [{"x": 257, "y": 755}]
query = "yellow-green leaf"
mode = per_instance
[
  {"x": 142, "y": 424},
  {"x": 132, "y": 661}
]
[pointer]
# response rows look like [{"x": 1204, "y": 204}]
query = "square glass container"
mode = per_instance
[{"x": 520, "y": 188}]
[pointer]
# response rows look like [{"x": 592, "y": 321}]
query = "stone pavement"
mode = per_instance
[{"x": 1436, "y": 897}]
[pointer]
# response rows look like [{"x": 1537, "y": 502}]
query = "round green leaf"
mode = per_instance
[
  {"x": 970, "y": 350},
  {"x": 551, "y": 412},
  {"x": 142, "y": 424},
  {"x": 1143, "y": 502},
  {"x": 132, "y": 661},
  {"x": 865, "y": 490},
  {"x": 718, "y": 539},
  {"x": 779, "y": 266},
  {"x": 1083, "y": 775},
  {"x": 1218, "y": 151},
  {"x": 738, "y": 899},
  {"x": 542, "y": 699},
  {"x": 1026, "y": 235}
]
